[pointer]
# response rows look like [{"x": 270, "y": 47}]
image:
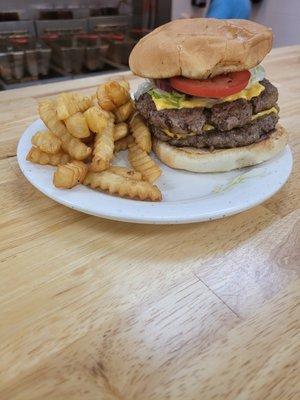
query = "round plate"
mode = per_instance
[{"x": 187, "y": 196}]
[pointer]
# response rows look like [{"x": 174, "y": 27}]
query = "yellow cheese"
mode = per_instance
[
  {"x": 175, "y": 135},
  {"x": 247, "y": 94},
  {"x": 266, "y": 112},
  {"x": 208, "y": 127}
]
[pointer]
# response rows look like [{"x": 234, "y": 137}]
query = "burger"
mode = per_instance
[{"x": 206, "y": 99}]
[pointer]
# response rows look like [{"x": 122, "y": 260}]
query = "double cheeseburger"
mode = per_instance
[{"x": 207, "y": 101}]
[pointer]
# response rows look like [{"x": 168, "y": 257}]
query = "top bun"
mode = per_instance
[{"x": 200, "y": 48}]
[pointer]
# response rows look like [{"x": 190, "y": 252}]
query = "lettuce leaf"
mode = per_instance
[
  {"x": 173, "y": 98},
  {"x": 257, "y": 75}
]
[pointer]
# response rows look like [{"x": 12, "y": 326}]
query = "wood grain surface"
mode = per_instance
[{"x": 94, "y": 309}]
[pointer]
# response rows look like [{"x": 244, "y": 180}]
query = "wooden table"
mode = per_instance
[{"x": 94, "y": 309}]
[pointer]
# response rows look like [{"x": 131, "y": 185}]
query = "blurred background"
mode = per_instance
[{"x": 46, "y": 41}]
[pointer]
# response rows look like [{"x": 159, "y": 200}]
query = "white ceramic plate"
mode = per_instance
[{"x": 187, "y": 196}]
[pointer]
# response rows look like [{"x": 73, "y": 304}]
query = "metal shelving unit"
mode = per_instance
[{"x": 83, "y": 54}]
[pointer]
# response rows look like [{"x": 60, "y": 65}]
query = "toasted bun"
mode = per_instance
[
  {"x": 202, "y": 160},
  {"x": 200, "y": 48}
]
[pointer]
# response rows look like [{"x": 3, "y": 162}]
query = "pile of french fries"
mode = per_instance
[{"x": 84, "y": 134}]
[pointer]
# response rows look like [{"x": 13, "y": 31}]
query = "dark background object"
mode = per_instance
[
  {"x": 52, "y": 39},
  {"x": 55, "y": 14},
  {"x": 199, "y": 3},
  {"x": 9, "y": 16},
  {"x": 98, "y": 12},
  {"x": 148, "y": 14}
]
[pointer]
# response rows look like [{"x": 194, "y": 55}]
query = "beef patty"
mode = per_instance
[
  {"x": 225, "y": 116},
  {"x": 267, "y": 99},
  {"x": 181, "y": 120},
  {"x": 248, "y": 134}
]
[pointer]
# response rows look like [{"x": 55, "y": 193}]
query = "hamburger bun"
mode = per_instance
[
  {"x": 221, "y": 160},
  {"x": 200, "y": 48}
]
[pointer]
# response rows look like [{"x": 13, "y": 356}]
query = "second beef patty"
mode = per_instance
[{"x": 248, "y": 134}]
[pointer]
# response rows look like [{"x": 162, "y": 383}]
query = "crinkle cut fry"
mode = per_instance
[
  {"x": 104, "y": 148},
  {"x": 142, "y": 162},
  {"x": 126, "y": 172},
  {"x": 82, "y": 102},
  {"x": 123, "y": 144},
  {"x": 73, "y": 146},
  {"x": 77, "y": 126},
  {"x": 124, "y": 187},
  {"x": 69, "y": 175},
  {"x": 96, "y": 119},
  {"x": 65, "y": 105},
  {"x": 48, "y": 114},
  {"x": 46, "y": 141},
  {"x": 141, "y": 132},
  {"x": 103, "y": 100},
  {"x": 120, "y": 131},
  {"x": 112, "y": 94},
  {"x": 124, "y": 112},
  {"x": 37, "y": 156}
]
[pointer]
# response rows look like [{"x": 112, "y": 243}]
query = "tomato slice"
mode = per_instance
[{"x": 217, "y": 87}]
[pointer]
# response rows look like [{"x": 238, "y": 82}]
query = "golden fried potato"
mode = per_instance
[
  {"x": 77, "y": 126},
  {"x": 113, "y": 94},
  {"x": 121, "y": 130},
  {"x": 69, "y": 175},
  {"x": 48, "y": 114},
  {"x": 126, "y": 172},
  {"x": 82, "y": 102},
  {"x": 38, "y": 156},
  {"x": 96, "y": 119},
  {"x": 66, "y": 105},
  {"x": 124, "y": 112},
  {"x": 123, "y": 144},
  {"x": 71, "y": 145},
  {"x": 95, "y": 102},
  {"x": 103, "y": 100},
  {"x": 141, "y": 133},
  {"x": 142, "y": 162},
  {"x": 124, "y": 187},
  {"x": 117, "y": 93},
  {"x": 124, "y": 84},
  {"x": 46, "y": 141},
  {"x": 84, "y": 128},
  {"x": 103, "y": 148},
  {"x": 77, "y": 150}
]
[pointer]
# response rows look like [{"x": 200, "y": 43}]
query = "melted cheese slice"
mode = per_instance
[
  {"x": 175, "y": 135},
  {"x": 247, "y": 94},
  {"x": 265, "y": 112},
  {"x": 208, "y": 127}
]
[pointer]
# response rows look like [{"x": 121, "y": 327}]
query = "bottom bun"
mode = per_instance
[{"x": 221, "y": 160}]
